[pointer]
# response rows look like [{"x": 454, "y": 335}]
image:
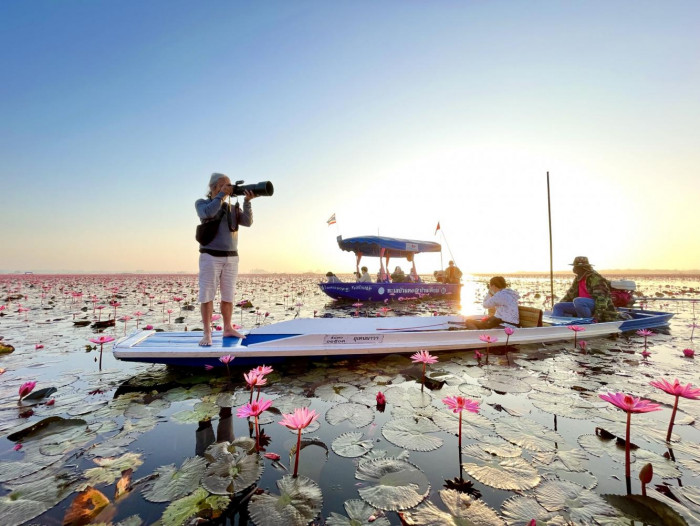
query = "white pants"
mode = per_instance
[{"x": 214, "y": 272}]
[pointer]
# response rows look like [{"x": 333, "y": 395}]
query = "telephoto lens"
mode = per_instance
[{"x": 264, "y": 188}]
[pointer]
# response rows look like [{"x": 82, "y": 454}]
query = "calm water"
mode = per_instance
[{"x": 531, "y": 453}]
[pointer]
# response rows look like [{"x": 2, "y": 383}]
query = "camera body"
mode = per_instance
[{"x": 263, "y": 188}]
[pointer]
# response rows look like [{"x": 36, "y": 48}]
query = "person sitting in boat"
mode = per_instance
[
  {"x": 505, "y": 303},
  {"x": 332, "y": 278},
  {"x": 452, "y": 273},
  {"x": 398, "y": 276},
  {"x": 589, "y": 295},
  {"x": 382, "y": 276},
  {"x": 413, "y": 274},
  {"x": 364, "y": 277}
]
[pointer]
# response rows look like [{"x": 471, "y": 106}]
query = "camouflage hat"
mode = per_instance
[{"x": 581, "y": 261}]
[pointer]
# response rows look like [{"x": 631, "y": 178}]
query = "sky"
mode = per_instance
[{"x": 394, "y": 115}]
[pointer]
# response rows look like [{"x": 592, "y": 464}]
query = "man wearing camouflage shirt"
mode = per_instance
[{"x": 589, "y": 295}]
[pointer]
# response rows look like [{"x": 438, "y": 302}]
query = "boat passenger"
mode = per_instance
[
  {"x": 218, "y": 259},
  {"x": 589, "y": 295},
  {"x": 332, "y": 278},
  {"x": 452, "y": 273},
  {"x": 505, "y": 303},
  {"x": 413, "y": 273},
  {"x": 398, "y": 276},
  {"x": 364, "y": 277}
]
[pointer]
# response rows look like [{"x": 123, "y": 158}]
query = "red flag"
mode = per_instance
[{"x": 437, "y": 228}]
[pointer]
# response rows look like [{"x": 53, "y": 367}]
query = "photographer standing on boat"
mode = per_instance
[
  {"x": 588, "y": 296},
  {"x": 218, "y": 259}
]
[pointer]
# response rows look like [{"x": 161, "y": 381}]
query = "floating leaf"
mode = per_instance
[
  {"x": 395, "y": 484},
  {"x": 180, "y": 394},
  {"x": 287, "y": 404},
  {"x": 501, "y": 473},
  {"x": 337, "y": 392},
  {"x": 201, "y": 411},
  {"x": 505, "y": 384},
  {"x": 232, "y": 471},
  {"x": 645, "y": 509},
  {"x": 199, "y": 504},
  {"x": 359, "y": 513},
  {"x": 408, "y": 396},
  {"x": 570, "y": 460},
  {"x": 529, "y": 435},
  {"x": 86, "y": 505},
  {"x": 110, "y": 469},
  {"x": 351, "y": 445},
  {"x": 172, "y": 483},
  {"x": 473, "y": 425},
  {"x": 29, "y": 500},
  {"x": 519, "y": 511},
  {"x": 412, "y": 434},
  {"x": 598, "y": 447},
  {"x": 580, "y": 505},
  {"x": 38, "y": 396},
  {"x": 463, "y": 510},
  {"x": 52, "y": 425},
  {"x": 494, "y": 445},
  {"x": 299, "y": 502},
  {"x": 356, "y": 414}
]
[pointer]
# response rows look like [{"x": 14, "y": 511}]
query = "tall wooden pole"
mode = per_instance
[{"x": 551, "y": 259}]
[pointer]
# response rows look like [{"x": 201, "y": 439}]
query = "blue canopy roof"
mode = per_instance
[{"x": 395, "y": 247}]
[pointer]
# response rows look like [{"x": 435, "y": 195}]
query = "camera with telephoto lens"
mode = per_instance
[{"x": 263, "y": 188}]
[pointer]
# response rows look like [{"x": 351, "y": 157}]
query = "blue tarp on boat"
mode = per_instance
[{"x": 394, "y": 247}]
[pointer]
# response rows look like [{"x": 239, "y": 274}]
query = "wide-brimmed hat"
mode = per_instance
[{"x": 581, "y": 261}]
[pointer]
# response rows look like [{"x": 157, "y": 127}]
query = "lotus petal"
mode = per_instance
[
  {"x": 172, "y": 483},
  {"x": 412, "y": 434},
  {"x": 395, "y": 484},
  {"x": 351, "y": 445},
  {"x": 463, "y": 510},
  {"x": 178, "y": 512},
  {"x": 359, "y": 513},
  {"x": 299, "y": 502}
]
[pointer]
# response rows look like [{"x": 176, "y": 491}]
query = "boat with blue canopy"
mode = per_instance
[{"x": 386, "y": 289}]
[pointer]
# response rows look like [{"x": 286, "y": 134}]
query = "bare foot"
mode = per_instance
[
  {"x": 233, "y": 333},
  {"x": 205, "y": 341}
]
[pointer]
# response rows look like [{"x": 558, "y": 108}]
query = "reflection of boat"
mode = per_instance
[
  {"x": 354, "y": 337},
  {"x": 386, "y": 248}
]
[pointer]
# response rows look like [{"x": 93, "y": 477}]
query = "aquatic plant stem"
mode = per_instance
[
  {"x": 627, "y": 446},
  {"x": 296, "y": 461},
  {"x": 673, "y": 418}
]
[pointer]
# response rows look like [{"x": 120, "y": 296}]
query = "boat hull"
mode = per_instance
[
  {"x": 390, "y": 291},
  {"x": 342, "y": 338}
]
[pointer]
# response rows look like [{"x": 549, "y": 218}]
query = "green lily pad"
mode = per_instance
[
  {"x": 394, "y": 484},
  {"x": 579, "y": 505},
  {"x": 299, "y": 502},
  {"x": 462, "y": 510},
  {"x": 110, "y": 469},
  {"x": 529, "y": 435},
  {"x": 502, "y": 473},
  {"x": 29, "y": 500},
  {"x": 357, "y": 415},
  {"x": 351, "y": 445},
  {"x": 233, "y": 470},
  {"x": 646, "y": 510},
  {"x": 519, "y": 511},
  {"x": 359, "y": 514},
  {"x": 199, "y": 504},
  {"x": 173, "y": 483},
  {"x": 201, "y": 411},
  {"x": 412, "y": 434}
]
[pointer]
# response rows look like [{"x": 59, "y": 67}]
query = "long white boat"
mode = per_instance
[{"x": 354, "y": 337}]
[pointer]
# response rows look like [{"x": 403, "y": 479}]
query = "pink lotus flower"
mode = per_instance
[
  {"x": 459, "y": 404},
  {"x": 51, "y": 402},
  {"x": 272, "y": 456},
  {"x": 226, "y": 359},
  {"x": 583, "y": 344},
  {"x": 677, "y": 390},
  {"x": 508, "y": 330},
  {"x": 425, "y": 358},
  {"x": 381, "y": 399},
  {"x": 688, "y": 353},
  {"x": 488, "y": 339},
  {"x": 38, "y": 346},
  {"x": 631, "y": 405},
  {"x": 254, "y": 409},
  {"x": 478, "y": 355},
  {"x": 254, "y": 379},
  {"x": 644, "y": 332},
  {"x": 576, "y": 329},
  {"x": 26, "y": 388},
  {"x": 102, "y": 340},
  {"x": 299, "y": 419},
  {"x": 646, "y": 353},
  {"x": 148, "y": 327},
  {"x": 263, "y": 370},
  {"x": 17, "y": 447},
  {"x": 208, "y": 367}
]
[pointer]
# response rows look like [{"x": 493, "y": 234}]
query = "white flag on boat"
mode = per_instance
[{"x": 331, "y": 220}]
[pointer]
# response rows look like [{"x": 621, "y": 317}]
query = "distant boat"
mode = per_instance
[
  {"x": 357, "y": 337},
  {"x": 387, "y": 248}
]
